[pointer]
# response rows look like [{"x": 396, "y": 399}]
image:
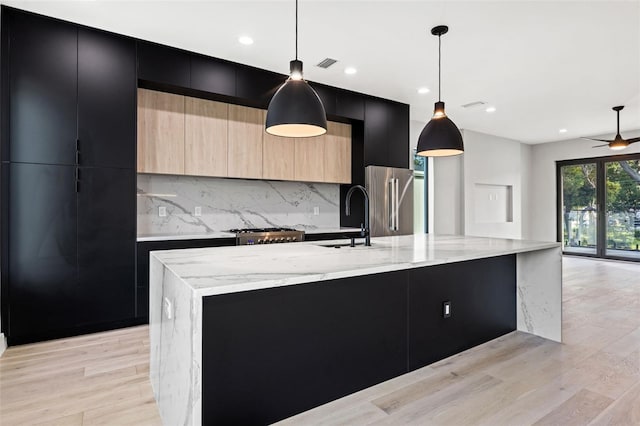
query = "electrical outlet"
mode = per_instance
[
  {"x": 316, "y": 211},
  {"x": 168, "y": 308},
  {"x": 162, "y": 211},
  {"x": 446, "y": 309},
  {"x": 197, "y": 211}
]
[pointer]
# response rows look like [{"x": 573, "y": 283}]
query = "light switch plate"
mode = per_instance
[
  {"x": 162, "y": 211},
  {"x": 316, "y": 211},
  {"x": 197, "y": 211}
]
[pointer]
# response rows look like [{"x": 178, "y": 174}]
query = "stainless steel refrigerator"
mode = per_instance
[{"x": 391, "y": 197}]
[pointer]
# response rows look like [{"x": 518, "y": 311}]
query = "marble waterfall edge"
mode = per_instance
[{"x": 233, "y": 203}]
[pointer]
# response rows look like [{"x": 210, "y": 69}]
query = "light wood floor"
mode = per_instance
[{"x": 518, "y": 379}]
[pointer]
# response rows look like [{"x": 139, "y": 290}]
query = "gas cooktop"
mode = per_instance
[{"x": 251, "y": 236}]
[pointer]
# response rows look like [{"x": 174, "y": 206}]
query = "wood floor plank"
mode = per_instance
[
  {"x": 625, "y": 411},
  {"x": 578, "y": 410}
]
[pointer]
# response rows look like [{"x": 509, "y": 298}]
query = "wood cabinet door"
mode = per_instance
[
  {"x": 278, "y": 157},
  {"x": 206, "y": 137},
  {"x": 160, "y": 132},
  {"x": 337, "y": 153},
  {"x": 309, "y": 159},
  {"x": 246, "y": 129}
]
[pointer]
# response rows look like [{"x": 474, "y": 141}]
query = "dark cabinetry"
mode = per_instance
[
  {"x": 69, "y": 266},
  {"x": 164, "y": 65},
  {"x": 483, "y": 306},
  {"x": 42, "y": 61},
  {"x": 257, "y": 86},
  {"x": 386, "y": 133},
  {"x": 289, "y": 349},
  {"x": 106, "y": 99},
  {"x": 213, "y": 75}
]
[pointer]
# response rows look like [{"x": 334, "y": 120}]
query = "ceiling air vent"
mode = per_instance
[
  {"x": 326, "y": 63},
  {"x": 474, "y": 104}
]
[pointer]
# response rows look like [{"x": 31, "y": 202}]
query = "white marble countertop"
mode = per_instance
[
  {"x": 224, "y": 234},
  {"x": 221, "y": 270}
]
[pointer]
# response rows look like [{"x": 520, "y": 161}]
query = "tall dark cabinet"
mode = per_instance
[{"x": 68, "y": 153}]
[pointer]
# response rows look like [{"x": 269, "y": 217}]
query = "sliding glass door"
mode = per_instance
[
  {"x": 599, "y": 206},
  {"x": 622, "y": 182}
]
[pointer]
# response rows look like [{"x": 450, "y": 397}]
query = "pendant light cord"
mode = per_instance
[
  {"x": 296, "y": 30},
  {"x": 439, "y": 67}
]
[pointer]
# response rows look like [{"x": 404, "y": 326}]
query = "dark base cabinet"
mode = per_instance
[
  {"x": 270, "y": 354},
  {"x": 482, "y": 297}
]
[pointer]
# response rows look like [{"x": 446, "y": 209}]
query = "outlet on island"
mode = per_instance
[
  {"x": 316, "y": 211},
  {"x": 162, "y": 211},
  {"x": 197, "y": 212}
]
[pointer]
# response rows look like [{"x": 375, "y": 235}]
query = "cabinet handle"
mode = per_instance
[
  {"x": 390, "y": 203},
  {"x": 77, "y": 144}
]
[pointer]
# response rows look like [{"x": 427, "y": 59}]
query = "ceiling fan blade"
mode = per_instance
[
  {"x": 598, "y": 146},
  {"x": 597, "y": 140},
  {"x": 633, "y": 140}
]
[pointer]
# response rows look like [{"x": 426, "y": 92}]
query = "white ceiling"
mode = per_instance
[{"x": 544, "y": 65}]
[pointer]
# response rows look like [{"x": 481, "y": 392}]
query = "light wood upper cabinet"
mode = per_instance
[
  {"x": 246, "y": 128},
  {"x": 278, "y": 154},
  {"x": 337, "y": 153},
  {"x": 161, "y": 121},
  {"x": 206, "y": 137},
  {"x": 308, "y": 162}
]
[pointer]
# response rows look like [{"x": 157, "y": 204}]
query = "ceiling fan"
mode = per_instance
[{"x": 618, "y": 142}]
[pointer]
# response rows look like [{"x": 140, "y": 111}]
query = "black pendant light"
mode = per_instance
[
  {"x": 440, "y": 137},
  {"x": 295, "y": 110}
]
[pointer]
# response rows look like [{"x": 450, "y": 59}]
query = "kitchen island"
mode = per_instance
[{"x": 254, "y": 334}]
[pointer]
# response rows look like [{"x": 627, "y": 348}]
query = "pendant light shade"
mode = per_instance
[
  {"x": 296, "y": 110},
  {"x": 440, "y": 137}
]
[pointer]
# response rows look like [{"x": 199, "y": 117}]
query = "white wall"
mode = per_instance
[
  {"x": 543, "y": 185},
  {"x": 487, "y": 160}
]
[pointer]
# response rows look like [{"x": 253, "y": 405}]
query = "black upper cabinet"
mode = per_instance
[
  {"x": 164, "y": 65},
  {"x": 376, "y": 135},
  {"x": 106, "y": 100},
  {"x": 327, "y": 95},
  {"x": 213, "y": 75},
  {"x": 42, "y": 267},
  {"x": 350, "y": 105},
  {"x": 386, "y": 133},
  {"x": 257, "y": 86},
  {"x": 106, "y": 245},
  {"x": 43, "y": 60}
]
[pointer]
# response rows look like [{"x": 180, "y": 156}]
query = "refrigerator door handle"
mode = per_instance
[
  {"x": 397, "y": 203},
  {"x": 390, "y": 204}
]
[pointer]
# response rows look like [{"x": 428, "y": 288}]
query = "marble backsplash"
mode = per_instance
[{"x": 232, "y": 203}]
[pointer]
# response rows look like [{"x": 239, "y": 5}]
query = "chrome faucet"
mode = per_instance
[{"x": 364, "y": 228}]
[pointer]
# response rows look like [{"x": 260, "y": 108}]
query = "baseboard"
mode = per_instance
[{"x": 3, "y": 343}]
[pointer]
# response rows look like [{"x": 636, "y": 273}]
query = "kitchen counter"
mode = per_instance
[
  {"x": 224, "y": 234},
  {"x": 278, "y": 299}
]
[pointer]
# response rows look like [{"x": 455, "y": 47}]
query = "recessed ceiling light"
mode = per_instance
[
  {"x": 350, "y": 70},
  {"x": 491, "y": 109},
  {"x": 246, "y": 40},
  {"x": 423, "y": 90},
  {"x": 562, "y": 131}
]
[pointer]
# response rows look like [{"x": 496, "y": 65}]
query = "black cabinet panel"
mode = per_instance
[
  {"x": 483, "y": 306},
  {"x": 350, "y": 105},
  {"x": 213, "y": 75},
  {"x": 398, "y": 146},
  {"x": 386, "y": 133},
  {"x": 106, "y": 99},
  {"x": 42, "y": 251},
  {"x": 42, "y": 67},
  {"x": 106, "y": 245},
  {"x": 376, "y": 133},
  {"x": 162, "y": 64},
  {"x": 257, "y": 86},
  {"x": 327, "y": 95},
  {"x": 269, "y": 354}
]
